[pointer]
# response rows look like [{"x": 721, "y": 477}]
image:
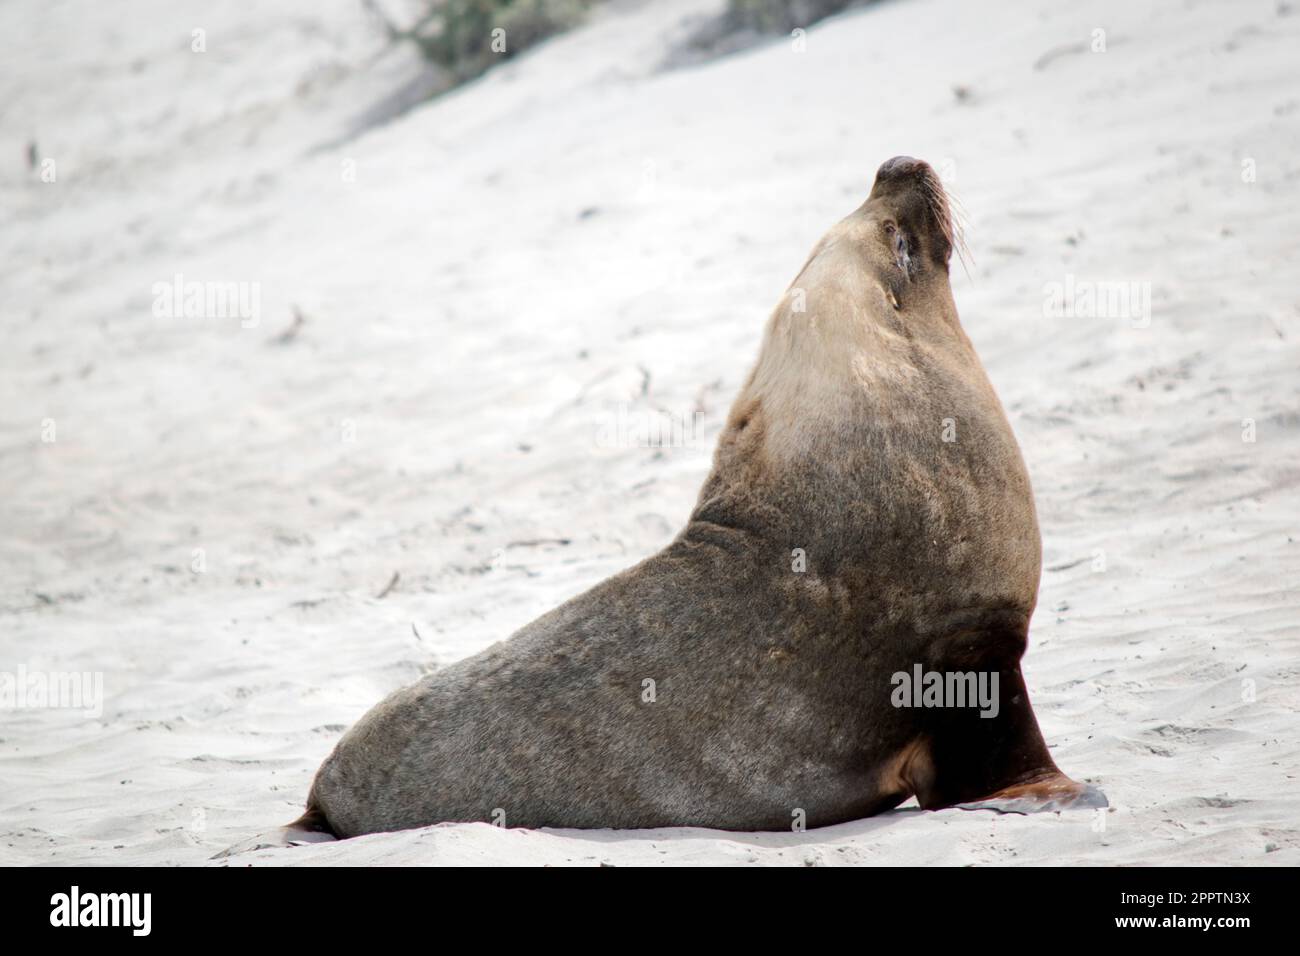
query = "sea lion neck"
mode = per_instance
[
  {"x": 848, "y": 335},
  {"x": 858, "y": 360}
]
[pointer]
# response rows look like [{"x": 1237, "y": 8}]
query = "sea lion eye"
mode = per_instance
[{"x": 902, "y": 249}]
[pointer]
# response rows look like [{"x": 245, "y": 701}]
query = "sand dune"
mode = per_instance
[{"x": 485, "y": 281}]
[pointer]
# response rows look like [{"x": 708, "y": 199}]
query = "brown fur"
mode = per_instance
[{"x": 774, "y": 684}]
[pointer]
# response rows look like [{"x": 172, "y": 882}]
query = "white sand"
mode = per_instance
[{"x": 476, "y": 329}]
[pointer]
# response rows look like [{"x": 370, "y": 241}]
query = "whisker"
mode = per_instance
[{"x": 951, "y": 217}]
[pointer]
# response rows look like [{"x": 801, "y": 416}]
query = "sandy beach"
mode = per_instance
[{"x": 420, "y": 421}]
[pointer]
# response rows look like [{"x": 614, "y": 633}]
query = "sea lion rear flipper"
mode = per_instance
[{"x": 311, "y": 827}]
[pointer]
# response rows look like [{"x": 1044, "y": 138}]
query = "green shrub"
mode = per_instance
[
  {"x": 781, "y": 16},
  {"x": 458, "y": 34}
]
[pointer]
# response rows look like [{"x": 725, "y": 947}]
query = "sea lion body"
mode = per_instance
[{"x": 868, "y": 511}]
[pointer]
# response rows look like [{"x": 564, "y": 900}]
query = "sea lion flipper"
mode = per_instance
[
  {"x": 1053, "y": 793},
  {"x": 993, "y": 758},
  {"x": 311, "y": 827},
  {"x": 275, "y": 839}
]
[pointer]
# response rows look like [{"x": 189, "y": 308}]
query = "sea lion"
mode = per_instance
[{"x": 868, "y": 515}]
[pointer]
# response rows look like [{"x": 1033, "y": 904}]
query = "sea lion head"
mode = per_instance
[{"x": 909, "y": 213}]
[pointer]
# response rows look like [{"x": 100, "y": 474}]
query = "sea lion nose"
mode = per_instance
[{"x": 902, "y": 167}]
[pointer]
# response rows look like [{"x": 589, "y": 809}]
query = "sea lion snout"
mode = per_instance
[{"x": 903, "y": 167}]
